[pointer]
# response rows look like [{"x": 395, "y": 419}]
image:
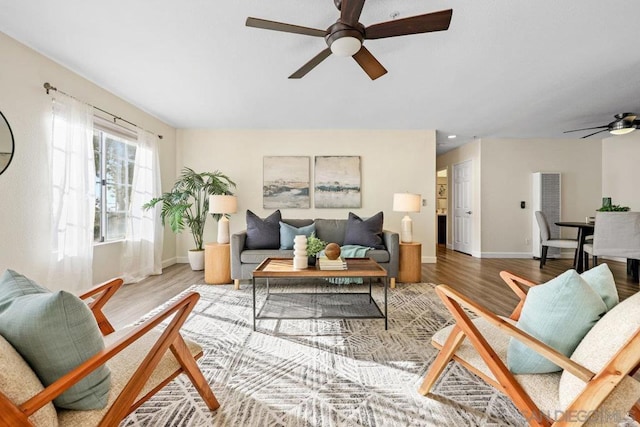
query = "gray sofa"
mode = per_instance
[{"x": 244, "y": 261}]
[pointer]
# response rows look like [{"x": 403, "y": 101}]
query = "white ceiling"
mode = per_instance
[{"x": 505, "y": 68}]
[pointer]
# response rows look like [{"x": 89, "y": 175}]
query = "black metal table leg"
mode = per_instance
[
  {"x": 253, "y": 279},
  {"x": 386, "y": 318}
]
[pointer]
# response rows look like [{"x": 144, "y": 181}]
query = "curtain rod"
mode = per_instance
[{"x": 48, "y": 88}]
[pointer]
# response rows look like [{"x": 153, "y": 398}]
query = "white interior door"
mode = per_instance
[{"x": 462, "y": 213}]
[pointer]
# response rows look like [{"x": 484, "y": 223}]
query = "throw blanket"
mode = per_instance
[{"x": 349, "y": 251}]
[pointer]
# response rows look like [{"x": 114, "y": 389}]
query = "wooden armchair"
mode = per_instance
[
  {"x": 603, "y": 387},
  {"x": 142, "y": 360}
]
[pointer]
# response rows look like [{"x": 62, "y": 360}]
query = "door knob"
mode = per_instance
[{"x": 468, "y": 212}]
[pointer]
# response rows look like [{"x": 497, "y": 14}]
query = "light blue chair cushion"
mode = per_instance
[
  {"x": 558, "y": 313},
  {"x": 288, "y": 232},
  {"x": 601, "y": 280},
  {"x": 54, "y": 332}
]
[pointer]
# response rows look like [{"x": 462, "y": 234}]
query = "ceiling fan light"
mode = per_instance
[
  {"x": 622, "y": 131},
  {"x": 621, "y": 127},
  {"x": 346, "y": 46}
]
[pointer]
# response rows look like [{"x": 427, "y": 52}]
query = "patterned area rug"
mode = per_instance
[{"x": 323, "y": 372}]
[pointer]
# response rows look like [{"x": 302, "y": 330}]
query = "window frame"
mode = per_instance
[{"x": 105, "y": 130}]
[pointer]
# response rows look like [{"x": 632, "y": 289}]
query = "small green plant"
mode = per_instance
[
  {"x": 614, "y": 208},
  {"x": 314, "y": 245}
]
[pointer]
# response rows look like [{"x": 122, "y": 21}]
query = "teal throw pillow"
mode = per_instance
[
  {"x": 54, "y": 332},
  {"x": 601, "y": 280},
  {"x": 558, "y": 313},
  {"x": 288, "y": 232}
]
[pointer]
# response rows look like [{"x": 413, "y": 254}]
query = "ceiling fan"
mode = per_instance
[
  {"x": 345, "y": 37},
  {"x": 624, "y": 123}
]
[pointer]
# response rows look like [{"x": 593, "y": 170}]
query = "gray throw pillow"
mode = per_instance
[
  {"x": 263, "y": 233},
  {"x": 54, "y": 332},
  {"x": 367, "y": 232}
]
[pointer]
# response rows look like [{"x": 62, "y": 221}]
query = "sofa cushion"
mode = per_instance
[
  {"x": 601, "y": 280},
  {"x": 256, "y": 256},
  {"x": 296, "y": 222},
  {"x": 558, "y": 313},
  {"x": 331, "y": 230},
  {"x": 263, "y": 233},
  {"x": 19, "y": 383},
  {"x": 364, "y": 232},
  {"x": 600, "y": 344},
  {"x": 54, "y": 332},
  {"x": 288, "y": 232}
]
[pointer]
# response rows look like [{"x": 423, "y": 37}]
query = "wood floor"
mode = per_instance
[{"x": 476, "y": 277}]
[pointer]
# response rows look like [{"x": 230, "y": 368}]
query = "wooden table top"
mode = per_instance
[{"x": 283, "y": 267}]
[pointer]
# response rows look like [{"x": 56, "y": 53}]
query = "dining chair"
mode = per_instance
[
  {"x": 617, "y": 234},
  {"x": 546, "y": 241}
]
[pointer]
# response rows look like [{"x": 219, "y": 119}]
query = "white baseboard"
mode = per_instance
[
  {"x": 182, "y": 260},
  {"x": 429, "y": 260},
  {"x": 168, "y": 262}
]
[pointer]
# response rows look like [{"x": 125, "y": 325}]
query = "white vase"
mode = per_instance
[
  {"x": 300, "y": 252},
  {"x": 196, "y": 259}
]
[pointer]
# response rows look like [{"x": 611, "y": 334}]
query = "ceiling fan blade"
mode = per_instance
[
  {"x": 350, "y": 11},
  {"x": 436, "y": 21},
  {"x": 591, "y": 134},
  {"x": 287, "y": 28},
  {"x": 369, "y": 63},
  {"x": 302, "y": 71},
  {"x": 577, "y": 130}
]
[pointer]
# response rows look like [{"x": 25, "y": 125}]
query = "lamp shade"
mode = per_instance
[
  {"x": 406, "y": 202},
  {"x": 223, "y": 204}
]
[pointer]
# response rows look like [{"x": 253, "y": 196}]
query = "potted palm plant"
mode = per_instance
[{"x": 187, "y": 205}]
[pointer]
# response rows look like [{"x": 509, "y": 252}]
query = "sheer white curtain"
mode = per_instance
[
  {"x": 142, "y": 254},
  {"x": 73, "y": 195}
]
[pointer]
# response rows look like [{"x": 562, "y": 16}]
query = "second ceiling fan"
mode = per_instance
[{"x": 345, "y": 37}]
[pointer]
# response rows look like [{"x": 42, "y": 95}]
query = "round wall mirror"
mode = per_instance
[{"x": 6, "y": 143}]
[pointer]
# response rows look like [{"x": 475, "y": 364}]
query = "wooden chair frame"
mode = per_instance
[
  {"x": 599, "y": 385},
  {"x": 125, "y": 403}
]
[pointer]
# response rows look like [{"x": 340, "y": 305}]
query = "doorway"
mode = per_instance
[{"x": 462, "y": 203}]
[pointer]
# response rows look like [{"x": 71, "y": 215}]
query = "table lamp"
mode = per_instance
[
  {"x": 222, "y": 205},
  {"x": 406, "y": 202}
]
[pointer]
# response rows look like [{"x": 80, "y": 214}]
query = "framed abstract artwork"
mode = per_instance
[
  {"x": 337, "y": 182},
  {"x": 285, "y": 182}
]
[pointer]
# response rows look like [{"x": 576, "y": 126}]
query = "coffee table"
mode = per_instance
[{"x": 333, "y": 305}]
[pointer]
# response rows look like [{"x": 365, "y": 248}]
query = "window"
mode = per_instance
[{"x": 115, "y": 156}]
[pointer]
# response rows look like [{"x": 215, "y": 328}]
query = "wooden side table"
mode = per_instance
[
  {"x": 217, "y": 263},
  {"x": 410, "y": 269}
]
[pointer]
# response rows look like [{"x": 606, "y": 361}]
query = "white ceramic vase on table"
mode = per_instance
[{"x": 300, "y": 252}]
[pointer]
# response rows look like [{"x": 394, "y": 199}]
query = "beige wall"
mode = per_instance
[
  {"x": 470, "y": 151},
  {"x": 25, "y": 225},
  {"x": 391, "y": 161},
  {"x": 507, "y": 167},
  {"x": 621, "y": 170},
  {"x": 503, "y": 172}
]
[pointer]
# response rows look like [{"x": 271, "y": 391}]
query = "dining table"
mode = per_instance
[{"x": 584, "y": 229}]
